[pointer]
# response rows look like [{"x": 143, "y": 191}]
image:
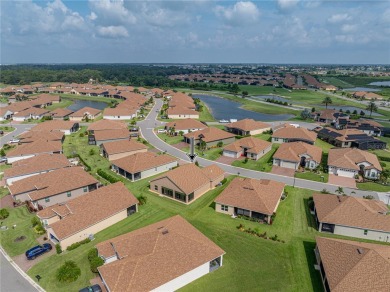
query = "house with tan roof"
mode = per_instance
[
  {"x": 119, "y": 113},
  {"x": 172, "y": 252},
  {"x": 185, "y": 126},
  {"x": 182, "y": 112},
  {"x": 82, "y": 217},
  {"x": 290, "y": 133},
  {"x": 122, "y": 148},
  {"x": 60, "y": 113},
  {"x": 247, "y": 127},
  {"x": 35, "y": 148},
  {"x": 349, "y": 162},
  {"x": 352, "y": 216},
  {"x": 5, "y": 114},
  {"x": 212, "y": 136},
  {"x": 54, "y": 187},
  {"x": 297, "y": 154},
  {"x": 187, "y": 182},
  {"x": 252, "y": 198},
  {"x": 32, "y": 136},
  {"x": 103, "y": 125},
  {"x": 35, "y": 165},
  {"x": 89, "y": 113},
  {"x": 144, "y": 164},
  {"x": 68, "y": 127},
  {"x": 105, "y": 136},
  {"x": 351, "y": 266},
  {"x": 30, "y": 113},
  {"x": 249, "y": 147}
]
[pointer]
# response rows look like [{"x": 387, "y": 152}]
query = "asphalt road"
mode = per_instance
[
  {"x": 19, "y": 129},
  {"x": 147, "y": 125}
]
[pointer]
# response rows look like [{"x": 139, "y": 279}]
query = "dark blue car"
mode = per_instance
[{"x": 32, "y": 253}]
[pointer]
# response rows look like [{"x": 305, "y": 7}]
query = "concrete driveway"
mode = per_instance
[
  {"x": 342, "y": 181},
  {"x": 283, "y": 171}
]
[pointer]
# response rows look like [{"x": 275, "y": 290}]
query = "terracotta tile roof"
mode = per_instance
[
  {"x": 248, "y": 125},
  {"x": 60, "y": 112},
  {"x": 31, "y": 111},
  {"x": 142, "y": 161},
  {"x": 36, "y": 147},
  {"x": 111, "y": 134},
  {"x": 210, "y": 134},
  {"x": 256, "y": 195},
  {"x": 82, "y": 112},
  {"x": 294, "y": 150},
  {"x": 54, "y": 125},
  {"x": 36, "y": 164},
  {"x": 185, "y": 124},
  {"x": 19, "y": 106},
  {"x": 106, "y": 125},
  {"x": 119, "y": 111},
  {"x": 189, "y": 177},
  {"x": 253, "y": 145},
  {"x": 328, "y": 114},
  {"x": 90, "y": 208},
  {"x": 53, "y": 183},
  {"x": 291, "y": 132},
  {"x": 350, "y": 157},
  {"x": 163, "y": 251},
  {"x": 352, "y": 211},
  {"x": 32, "y": 136},
  {"x": 352, "y": 266},
  {"x": 122, "y": 146},
  {"x": 179, "y": 110}
]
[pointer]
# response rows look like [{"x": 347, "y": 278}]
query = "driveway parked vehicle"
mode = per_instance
[
  {"x": 3, "y": 159},
  {"x": 14, "y": 141},
  {"x": 94, "y": 288},
  {"x": 38, "y": 250}
]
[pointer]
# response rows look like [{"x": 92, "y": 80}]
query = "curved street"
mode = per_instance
[{"x": 147, "y": 130}]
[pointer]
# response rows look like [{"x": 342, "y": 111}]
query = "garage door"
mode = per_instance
[
  {"x": 229, "y": 154},
  {"x": 345, "y": 173},
  {"x": 287, "y": 164}
]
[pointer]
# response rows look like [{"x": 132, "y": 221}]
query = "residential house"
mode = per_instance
[
  {"x": 350, "y": 138},
  {"x": 68, "y": 127},
  {"x": 85, "y": 113},
  {"x": 290, "y": 133},
  {"x": 5, "y": 114},
  {"x": 54, "y": 187},
  {"x": 119, "y": 113},
  {"x": 82, "y": 217},
  {"x": 141, "y": 165},
  {"x": 212, "y": 136},
  {"x": 297, "y": 154},
  {"x": 350, "y": 162},
  {"x": 28, "y": 150},
  {"x": 172, "y": 253},
  {"x": 104, "y": 136},
  {"x": 60, "y": 113},
  {"x": 35, "y": 165},
  {"x": 103, "y": 125},
  {"x": 185, "y": 126},
  {"x": 249, "y": 147},
  {"x": 351, "y": 266},
  {"x": 187, "y": 182},
  {"x": 247, "y": 127},
  {"x": 32, "y": 136},
  {"x": 352, "y": 216},
  {"x": 122, "y": 148},
  {"x": 179, "y": 112},
  {"x": 370, "y": 127},
  {"x": 329, "y": 116},
  {"x": 249, "y": 197},
  {"x": 30, "y": 113}
]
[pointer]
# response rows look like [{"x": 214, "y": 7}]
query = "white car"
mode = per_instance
[
  {"x": 161, "y": 131},
  {"x": 14, "y": 141}
]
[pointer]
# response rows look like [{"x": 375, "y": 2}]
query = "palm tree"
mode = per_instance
[
  {"x": 327, "y": 100},
  {"x": 202, "y": 146},
  {"x": 340, "y": 191},
  {"x": 372, "y": 107}
]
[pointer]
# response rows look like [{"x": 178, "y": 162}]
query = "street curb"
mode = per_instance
[{"x": 21, "y": 272}]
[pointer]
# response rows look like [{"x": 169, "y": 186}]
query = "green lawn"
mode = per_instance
[
  {"x": 264, "y": 136},
  {"x": 7, "y": 129},
  {"x": 3, "y": 190},
  {"x": 84, "y": 97},
  {"x": 324, "y": 145},
  {"x": 170, "y": 139},
  {"x": 336, "y": 82},
  {"x": 263, "y": 164},
  {"x": 211, "y": 154},
  {"x": 382, "y": 153},
  {"x": 205, "y": 115},
  {"x": 312, "y": 176},
  {"x": 372, "y": 186},
  {"x": 63, "y": 104},
  {"x": 22, "y": 219}
]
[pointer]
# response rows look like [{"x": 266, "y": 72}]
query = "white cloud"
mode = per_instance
[
  {"x": 92, "y": 16},
  {"x": 348, "y": 28},
  {"x": 112, "y": 31},
  {"x": 286, "y": 4},
  {"x": 336, "y": 18},
  {"x": 241, "y": 13},
  {"x": 112, "y": 12}
]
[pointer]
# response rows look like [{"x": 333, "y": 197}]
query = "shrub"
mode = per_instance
[
  {"x": 40, "y": 229},
  {"x": 35, "y": 221},
  {"x": 2, "y": 152},
  {"x": 92, "y": 152},
  {"x": 107, "y": 176},
  {"x": 368, "y": 197},
  {"x": 68, "y": 272},
  {"x": 81, "y": 135},
  {"x": 77, "y": 244},
  {"x": 4, "y": 213},
  {"x": 220, "y": 144},
  {"x": 196, "y": 163},
  {"x": 246, "y": 160},
  {"x": 142, "y": 200},
  {"x": 58, "y": 248},
  {"x": 94, "y": 260},
  {"x": 224, "y": 181}
]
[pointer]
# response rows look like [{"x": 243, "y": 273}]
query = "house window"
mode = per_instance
[
  {"x": 190, "y": 197},
  {"x": 156, "y": 187},
  {"x": 365, "y": 232},
  {"x": 68, "y": 194},
  {"x": 180, "y": 196},
  {"x": 276, "y": 139},
  {"x": 47, "y": 200},
  {"x": 345, "y": 143},
  {"x": 85, "y": 189},
  {"x": 224, "y": 208}
]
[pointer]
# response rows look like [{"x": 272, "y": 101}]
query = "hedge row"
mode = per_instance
[
  {"x": 77, "y": 244},
  {"x": 94, "y": 260},
  {"x": 384, "y": 158},
  {"x": 107, "y": 176}
]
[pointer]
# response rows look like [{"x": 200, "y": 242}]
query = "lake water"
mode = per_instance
[
  {"x": 223, "y": 109},
  {"x": 79, "y": 104},
  {"x": 380, "y": 83},
  {"x": 368, "y": 89}
]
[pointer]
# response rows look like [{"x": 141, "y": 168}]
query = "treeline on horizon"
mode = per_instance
[{"x": 115, "y": 74}]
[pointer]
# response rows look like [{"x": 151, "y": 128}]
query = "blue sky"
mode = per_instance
[{"x": 273, "y": 31}]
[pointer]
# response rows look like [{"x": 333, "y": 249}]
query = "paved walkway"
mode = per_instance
[
  {"x": 342, "y": 181},
  {"x": 283, "y": 171},
  {"x": 146, "y": 128}
]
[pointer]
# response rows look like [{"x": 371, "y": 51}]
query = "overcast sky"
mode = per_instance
[{"x": 274, "y": 31}]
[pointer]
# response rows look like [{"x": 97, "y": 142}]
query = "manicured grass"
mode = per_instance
[
  {"x": 264, "y": 136},
  {"x": 4, "y": 166},
  {"x": 211, "y": 154},
  {"x": 382, "y": 153},
  {"x": 84, "y": 97},
  {"x": 170, "y": 139},
  {"x": 336, "y": 82},
  {"x": 62, "y": 104},
  {"x": 7, "y": 129},
  {"x": 22, "y": 219},
  {"x": 205, "y": 115},
  {"x": 3, "y": 190},
  {"x": 324, "y": 145},
  {"x": 372, "y": 186},
  {"x": 263, "y": 164},
  {"x": 312, "y": 176}
]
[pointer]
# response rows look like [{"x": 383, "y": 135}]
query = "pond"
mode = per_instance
[
  {"x": 224, "y": 109},
  {"x": 368, "y": 89},
  {"x": 79, "y": 104},
  {"x": 380, "y": 83}
]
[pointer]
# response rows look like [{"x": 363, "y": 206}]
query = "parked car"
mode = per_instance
[
  {"x": 14, "y": 141},
  {"x": 3, "y": 159},
  {"x": 161, "y": 131},
  {"x": 1, "y": 132},
  {"x": 38, "y": 250},
  {"x": 94, "y": 288}
]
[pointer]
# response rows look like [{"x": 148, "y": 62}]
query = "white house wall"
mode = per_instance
[
  {"x": 157, "y": 170},
  {"x": 359, "y": 233}
]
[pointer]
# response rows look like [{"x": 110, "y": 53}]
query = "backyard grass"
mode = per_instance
[
  {"x": 264, "y": 136},
  {"x": 211, "y": 154},
  {"x": 22, "y": 219},
  {"x": 92, "y": 98},
  {"x": 170, "y": 139},
  {"x": 62, "y": 104},
  {"x": 263, "y": 164},
  {"x": 3, "y": 190},
  {"x": 205, "y": 115},
  {"x": 309, "y": 175},
  {"x": 373, "y": 186},
  {"x": 325, "y": 146}
]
